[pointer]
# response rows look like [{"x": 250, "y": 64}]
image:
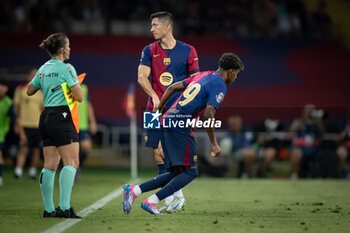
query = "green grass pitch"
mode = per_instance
[{"x": 213, "y": 205}]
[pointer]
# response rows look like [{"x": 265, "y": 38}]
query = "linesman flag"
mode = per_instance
[
  {"x": 72, "y": 103},
  {"x": 129, "y": 101}
]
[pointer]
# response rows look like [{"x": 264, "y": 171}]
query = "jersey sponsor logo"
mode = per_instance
[
  {"x": 219, "y": 97},
  {"x": 156, "y": 55},
  {"x": 166, "y": 61},
  {"x": 166, "y": 79},
  {"x": 49, "y": 75}
]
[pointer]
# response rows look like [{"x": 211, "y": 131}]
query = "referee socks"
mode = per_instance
[
  {"x": 47, "y": 181},
  {"x": 67, "y": 176}
]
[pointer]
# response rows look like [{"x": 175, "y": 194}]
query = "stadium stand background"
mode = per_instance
[{"x": 286, "y": 66}]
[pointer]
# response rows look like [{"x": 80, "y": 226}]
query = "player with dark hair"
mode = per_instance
[
  {"x": 28, "y": 110},
  {"x": 58, "y": 133},
  {"x": 205, "y": 90},
  {"x": 165, "y": 61},
  {"x": 7, "y": 114},
  {"x": 87, "y": 127}
]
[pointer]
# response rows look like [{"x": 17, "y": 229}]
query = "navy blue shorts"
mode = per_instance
[
  {"x": 2, "y": 145},
  {"x": 83, "y": 135},
  {"x": 179, "y": 149},
  {"x": 307, "y": 151},
  {"x": 152, "y": 138}
]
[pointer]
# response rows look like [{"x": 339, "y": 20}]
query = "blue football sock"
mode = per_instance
[
  {"x": 66, "y": 184},
  {"x": 158, "y": 181},
  {"x": 161, "y": 168},
  {"x": 178, "y": 182},
  {"x": 47, "y": 182}
]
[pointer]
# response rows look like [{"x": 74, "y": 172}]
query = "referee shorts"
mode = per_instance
[
  {"x": 33, "y": 137},
  {"x": 56, "y": 127}
]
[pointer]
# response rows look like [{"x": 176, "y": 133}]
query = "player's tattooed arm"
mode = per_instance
[
  {"x": 209, "y": 113},
  {"x": 176, "y": 87}
]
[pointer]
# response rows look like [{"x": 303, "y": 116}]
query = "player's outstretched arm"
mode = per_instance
[
  {"x": 142, "y": 79},
  {"x": 209, "y": 113},
  {"x": 178, "y": 86}
]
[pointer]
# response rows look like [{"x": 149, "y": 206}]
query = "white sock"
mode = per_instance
[
  {"x": 169, "y": 199},
  {"x": 153, "y": 199},
  {"x": 137, "y": 190},
  {"x": 19, "y": 171},
  {"x": 178, "y": 193},
  {"x": 32, "y": 171}
]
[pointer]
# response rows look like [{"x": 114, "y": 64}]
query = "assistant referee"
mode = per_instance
[{"x": 59, "y": 136}]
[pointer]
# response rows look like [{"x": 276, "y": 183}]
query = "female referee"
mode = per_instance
[{"x": 60, "y": 139}]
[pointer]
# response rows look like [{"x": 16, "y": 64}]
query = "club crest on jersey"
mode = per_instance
[
  {"x": 220, "y": 97},
  {"x": 166, "y": 61},
  {"x": 166, "y": 79}
]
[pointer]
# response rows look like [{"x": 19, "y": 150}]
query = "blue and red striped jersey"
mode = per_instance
[{"x": 168, "y": 66}]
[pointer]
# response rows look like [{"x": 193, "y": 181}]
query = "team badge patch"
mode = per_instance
[
  {"x": 167, "y": 61},
  {"x": 166, "y": 79},
  {"x": 195, "y": 158},
  {"x": 220, "y": 97}
]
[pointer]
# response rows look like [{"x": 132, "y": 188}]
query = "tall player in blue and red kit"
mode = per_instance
[
  {"x": 165, "y": 61},
  {"x": 204, "y": 91}
]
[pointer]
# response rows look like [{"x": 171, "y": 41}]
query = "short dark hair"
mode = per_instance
[
  {"x": 230, "y": 61},
  {"x": 54, "y": 42},
  {"x": 163, "y": 15},
  {"x": 4, "y": 82}
]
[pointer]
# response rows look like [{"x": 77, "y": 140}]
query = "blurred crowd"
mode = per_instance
[
  {"x": 240, "y": 18},
  {"x": 313, "y": 148}
]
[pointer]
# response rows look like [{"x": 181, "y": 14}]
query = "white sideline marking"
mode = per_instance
[{"x": 62, "y": 226}]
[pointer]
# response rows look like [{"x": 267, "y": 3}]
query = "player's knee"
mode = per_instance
[
  {"x": 157, "y": 157},
  {"x": 51, "y": 165},
  {"x": 193, "y": 172},
  {"x": 86, "y": 146}
]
